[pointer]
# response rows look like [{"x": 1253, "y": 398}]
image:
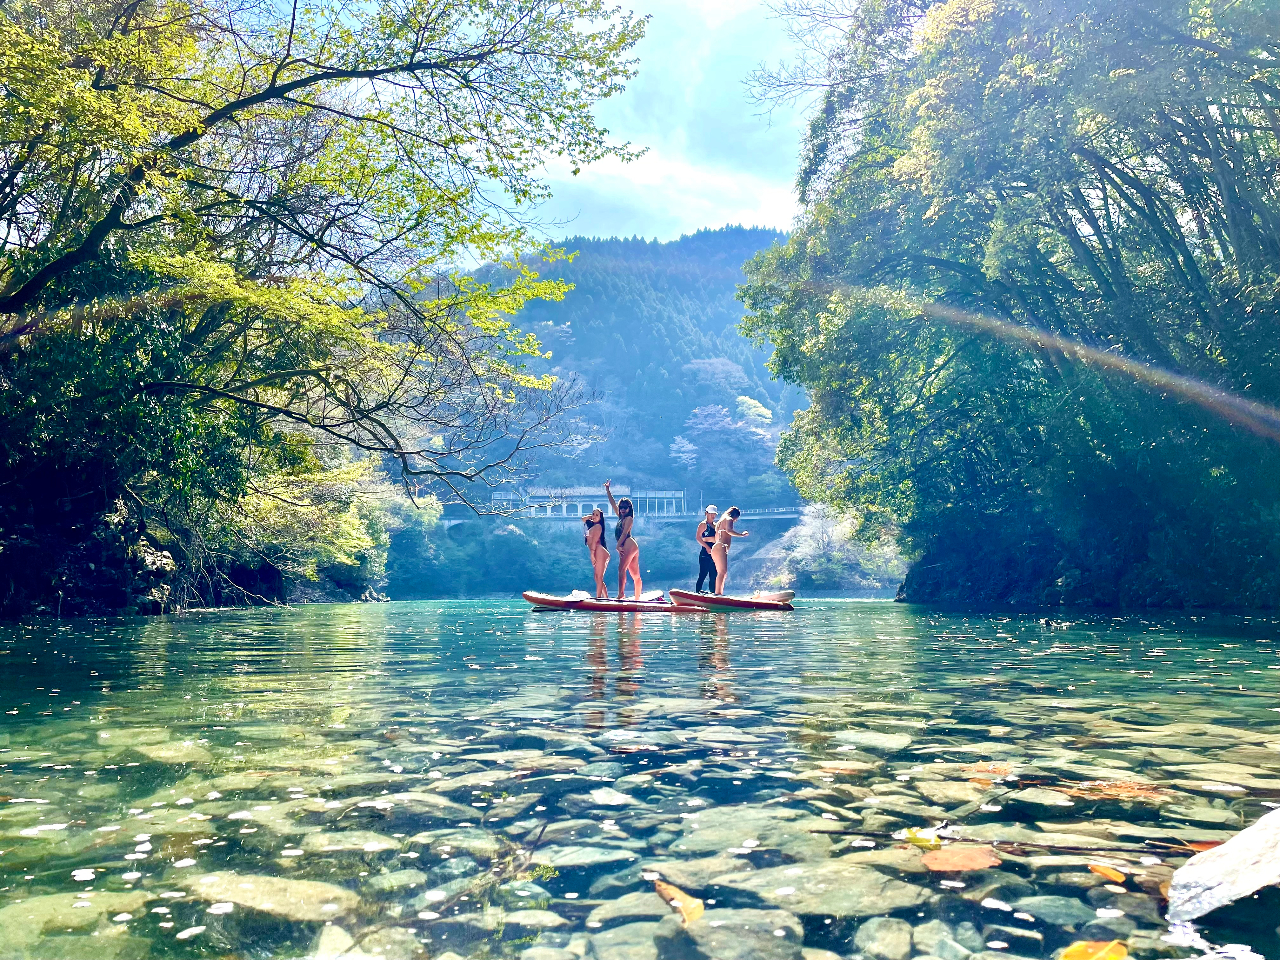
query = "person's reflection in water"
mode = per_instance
[
  {"x": 598, "y": 665},
  {"x": 631, "y": 664},
  {"x": 713, "y": 656}
]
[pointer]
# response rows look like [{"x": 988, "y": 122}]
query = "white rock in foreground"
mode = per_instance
[{"x": 1244, "y": 864}]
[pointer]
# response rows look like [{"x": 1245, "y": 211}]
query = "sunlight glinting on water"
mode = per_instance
[{"x": 477, "y": 778}]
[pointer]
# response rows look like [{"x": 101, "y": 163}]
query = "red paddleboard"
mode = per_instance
[
  {"x": 581, "y": 600},
  {"x": 709, "y": 601}
]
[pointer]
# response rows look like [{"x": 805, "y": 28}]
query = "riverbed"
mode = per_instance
[{"x": 476, "y": 779}]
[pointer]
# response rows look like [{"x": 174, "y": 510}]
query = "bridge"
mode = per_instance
[{"x": 570, "y": 504}]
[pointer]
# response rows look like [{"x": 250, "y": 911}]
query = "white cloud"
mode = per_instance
[
  {"x": 664, "y": 195},
  {"x": 712, "y": 160}
]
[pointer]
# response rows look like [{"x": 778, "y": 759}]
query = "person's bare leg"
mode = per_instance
[
  {"x": 636, "y": 582},
  {"x": 622, "y": 575},
  {"x": 721, "y": 557},
  {"x": 598, "y": 562}
]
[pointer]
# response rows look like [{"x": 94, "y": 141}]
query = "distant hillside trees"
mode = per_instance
[{"x": 652, "y": 329}]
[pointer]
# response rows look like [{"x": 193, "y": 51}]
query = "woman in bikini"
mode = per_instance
[
  {"x": 597, "y": 549},
  {"x": 628, "y": 549},
  {"x": 720, "y": 552}
]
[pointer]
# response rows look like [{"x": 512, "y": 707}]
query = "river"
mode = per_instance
[{"x": 477, "y": 779}]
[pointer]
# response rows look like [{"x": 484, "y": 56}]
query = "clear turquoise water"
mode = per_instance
[{"x": 472, "y": 777}]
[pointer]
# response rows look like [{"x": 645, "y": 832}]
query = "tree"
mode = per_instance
[
  {"x": 247, "y": 223},
  {"x": 1106, "y": 172}
]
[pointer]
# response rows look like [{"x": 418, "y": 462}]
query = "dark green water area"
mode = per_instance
[{"x": 474, "y": 779}]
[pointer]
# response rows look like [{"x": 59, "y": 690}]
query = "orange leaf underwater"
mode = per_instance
[
  {"x": 1115, "y": 876},
  {"x": 954, "y": 858},
  {"x": 1095, "y": 950},
  {"x": 690, "y": 908},
  {"x": 1116, "y": 790},
  {"x": 995, "y": 767},
  {"x": 1200, "y": 846}
]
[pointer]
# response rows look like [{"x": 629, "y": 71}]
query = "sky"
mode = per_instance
[{"x": 713, "y": 158}]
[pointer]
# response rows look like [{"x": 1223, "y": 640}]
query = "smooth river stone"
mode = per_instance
[
  {"x": 829, "y": 888},
  {"x": 348, "y": 841},
  {"x": 432, "y": 805},
  {"x": 731, "y": 935},
  {"x": 1243, "y": 865},
  {"x": 579, "y": 858},
  {"x": 629, "y": 908},
  {"x": 951, "y": 793},
  {"x": 884, "y": 938},
  {"x": 796, "y": 835},
  {"x": 873, "y": 740},
  {"x": 176, "y": 752},
  {"x": 1016, "y": 833},
  {"x": 697, "y": 874},
  {"x": 23, "y": 924},
  {"x": 1059, "y": 911},
  {"x": 631, "y": 941},
  {"x": 281, "y": 897}
]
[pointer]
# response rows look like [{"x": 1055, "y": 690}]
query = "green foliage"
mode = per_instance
[
  {"x": 230, "y": 276},
  {"x": 1107, "y": 172}
]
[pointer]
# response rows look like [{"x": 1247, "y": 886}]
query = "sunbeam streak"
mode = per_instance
[{"x": 1256, "y": 417}]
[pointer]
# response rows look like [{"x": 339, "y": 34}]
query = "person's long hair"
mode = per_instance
[
  {"x": 630, "y": 507},
  {"x": 733, "y": 513}
]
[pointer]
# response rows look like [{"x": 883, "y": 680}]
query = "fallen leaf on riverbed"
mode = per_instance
[
  {"x": 1116, "y": 790},
  {"x": 994, "y": 767},
  {"x": 1200, "y": 846},
  {"x": 1095, "y": 950},
  {"x": 957, "y": 858},
  {"x": 690, "y": 908},
  {"x": 926, "y": 838},
  {"x": 1115, "y": 876},
  {"x": 980, "y": 782}
]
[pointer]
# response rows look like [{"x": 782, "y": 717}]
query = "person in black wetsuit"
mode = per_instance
[{"x": 706, "y": 538}]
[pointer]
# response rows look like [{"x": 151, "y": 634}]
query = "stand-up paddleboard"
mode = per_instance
[
  {"x": 780, "y": 600},
  {"x": 581, "y": 600}
]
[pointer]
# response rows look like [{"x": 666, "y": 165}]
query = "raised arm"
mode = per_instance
[{"x": 612, "y": 502}]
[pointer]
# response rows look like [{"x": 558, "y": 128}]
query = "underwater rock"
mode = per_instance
[
  {"x": 872, "y": 740},
  {"x": 831, "y": 888},
  {"x": 629, "y": 908},
  {"x": 632, "y": 941},
  {"x": 579, "y": 858},
  {"x": 519, "y": 924},
  {"x": 397, "y": 880},
  {"x": 884, "y": 938},
  {"x": 174, "y": 753},
  {"x": 348, "y": 841},
  {"x": 1243, "y": 865},
  {"x": 731, "y": 935},
  {"x": 697, "y": 874},
  {"x": 24, "y": 923},
  {"x": 1059, "y": 911},
  {"x": 281, "y": 897},
  {"x": 331, "y": 943},
  {"x": 391, "y": 943},
  {"x": 797, "y": 835}
]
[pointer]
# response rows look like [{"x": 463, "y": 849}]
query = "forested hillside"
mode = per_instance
[
  {"x": 978, "y": 174},
  {"x": 682, "y": 398}
]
